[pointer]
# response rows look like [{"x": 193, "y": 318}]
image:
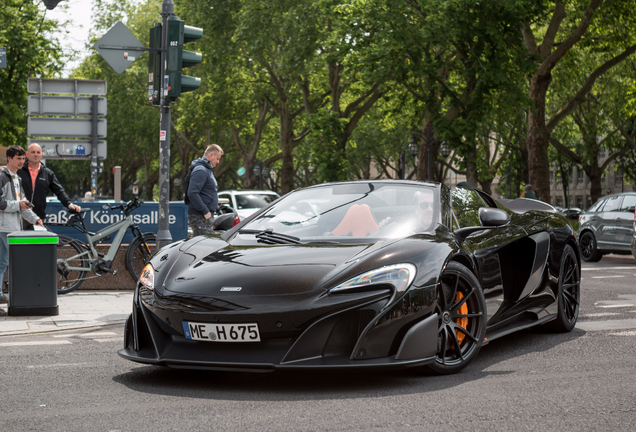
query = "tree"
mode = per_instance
[
  {"x": 560, "y": 27},
  {"x": 31, "y": 52}
]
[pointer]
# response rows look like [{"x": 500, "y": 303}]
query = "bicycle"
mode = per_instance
[{"x": 76, "y": 258}]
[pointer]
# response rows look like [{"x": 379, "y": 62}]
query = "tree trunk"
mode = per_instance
[
  {"x": 538, "y": 138},
  {"x": 471, "y": 167},
  {"x": 286, "y": 145},
  {"x": 486, "y": 186},
  {"x": 594, "y": 174}
]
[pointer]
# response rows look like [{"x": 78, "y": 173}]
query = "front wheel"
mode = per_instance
[
  {"x": 461, "y": 309},
  {"x": 587, "y": 246},
  {"x": 138, "y": 254},
  {"x": 569, "y": 293},
  {"x": 68, "y": 280}
]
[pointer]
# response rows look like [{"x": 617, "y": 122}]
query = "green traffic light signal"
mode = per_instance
[
  {"x": 154, "y": 65},
  {"x": 177, "y": 58}
]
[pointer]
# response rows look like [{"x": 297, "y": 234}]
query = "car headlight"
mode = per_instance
[
  {"x": 400, "y": 276},
  {"x": 147, "y": 278}
]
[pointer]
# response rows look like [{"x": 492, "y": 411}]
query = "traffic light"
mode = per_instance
[
  {"x": 177, "y": 58},
  {"x": 154, "y": 65}
]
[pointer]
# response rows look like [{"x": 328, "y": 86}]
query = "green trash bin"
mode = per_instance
[{"x": 33, "y": 273}]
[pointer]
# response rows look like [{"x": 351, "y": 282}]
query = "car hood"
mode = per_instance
[{"x": 215, "y": 268}]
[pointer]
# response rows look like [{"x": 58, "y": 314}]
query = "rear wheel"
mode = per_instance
[
  {"x": 67, "y": 280},
  {"x": 587, "y": 246},
  {"x": 461, "y": 309},
  {"x": 569, "y": 293},
  {"x": 138, "y": 254}
]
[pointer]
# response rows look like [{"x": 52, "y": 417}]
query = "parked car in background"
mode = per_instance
[
  {"x": 248, "y": 201},
  {"x": 608, "y": 227},
  {"x": 572, "y": 212}
]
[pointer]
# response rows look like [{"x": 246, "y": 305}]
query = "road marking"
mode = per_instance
[
  {"x": 109, "y": 340},
  {"x": 599, "y": 314},
  {"x": 606, "y": 277},
  {"x": 625, "y": 333},
  {"x": 615, "y": 306},
  {"x": 55, "y": 342},
  {"x": 86, "y": 335},
  {"x": 56, "y": 365},
  {"x": 607, "y": 268},
  {"x": 607, "y": 325}
]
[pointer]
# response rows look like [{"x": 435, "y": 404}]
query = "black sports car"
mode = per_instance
[{"x": 359, "y": 274}]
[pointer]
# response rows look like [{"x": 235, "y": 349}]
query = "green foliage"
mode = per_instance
[{"x": 25, "y": 32}]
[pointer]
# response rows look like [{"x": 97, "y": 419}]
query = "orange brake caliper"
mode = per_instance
[{"x": 462, "y": 322}]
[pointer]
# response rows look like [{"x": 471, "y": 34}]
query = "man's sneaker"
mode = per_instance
[{"x": 4, "y": 299}]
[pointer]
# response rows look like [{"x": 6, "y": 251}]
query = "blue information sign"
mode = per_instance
[{"x": 146, "y": 217}]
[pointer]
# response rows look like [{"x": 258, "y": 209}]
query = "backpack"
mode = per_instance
[{"x": 186, "y": 184}]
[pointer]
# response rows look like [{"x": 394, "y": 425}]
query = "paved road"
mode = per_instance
[{"x": 581, "y": 381}]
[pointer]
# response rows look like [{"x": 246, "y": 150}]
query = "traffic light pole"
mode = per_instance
[
  {"x": 163, "y": 234},
  {"x": 94, "y": 157}
]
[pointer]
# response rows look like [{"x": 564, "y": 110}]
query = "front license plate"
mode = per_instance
[{"x": 221, "y": 332}]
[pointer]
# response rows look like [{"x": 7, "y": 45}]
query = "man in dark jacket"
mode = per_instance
[
  {"x": 34, "y": 172},
  {"x": 202, "y": 191}
]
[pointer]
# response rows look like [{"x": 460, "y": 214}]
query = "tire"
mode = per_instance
[
  {"x": 587, "y": 247},
  {"x": 568, "y": 294},
  {"x": 138, "y": 254},
  {"x": 461, "y": 309},
  {"x": 68, "y": 281}
]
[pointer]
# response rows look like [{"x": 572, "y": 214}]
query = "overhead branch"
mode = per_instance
[
  {"x": 547, "y": 65},
  {"x": 564, "y": 151},
  {"x": 580, "y": 96}
]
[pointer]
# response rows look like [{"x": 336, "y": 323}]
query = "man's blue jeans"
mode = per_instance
[{"x": 4, "y": 255}]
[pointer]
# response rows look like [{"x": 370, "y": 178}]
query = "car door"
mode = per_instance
[
  {"x": 486, "y": 245},
  {"x": 606, "y": 237},
  {"x": 624, "y": 224}
]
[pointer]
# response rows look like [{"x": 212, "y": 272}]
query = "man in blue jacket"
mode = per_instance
[{"x": 202, "y": 191}]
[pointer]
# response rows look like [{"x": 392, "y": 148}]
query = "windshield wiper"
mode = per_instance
[{"x": 268, "y": 236}]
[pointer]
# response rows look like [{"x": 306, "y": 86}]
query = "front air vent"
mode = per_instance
[{"x": 349, "y": 328}]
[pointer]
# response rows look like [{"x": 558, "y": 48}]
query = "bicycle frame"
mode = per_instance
[{"x": 120, "y": 227}]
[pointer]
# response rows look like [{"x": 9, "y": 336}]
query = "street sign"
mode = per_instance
[
  {"x": 69, "y": 149},
  {"x": 66, "y": 86},
  {"x": 64, "y": 105},
  {"x": 119, "y": 47},
  {"x": 3, "y": 58},
  {"x": 64, "y": 127}
]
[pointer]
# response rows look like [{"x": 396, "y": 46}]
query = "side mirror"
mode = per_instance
[
  {"x": 492, "y": 217},
  {"x": 489, "y": 217},
  {"x": 223, "y": 222}
]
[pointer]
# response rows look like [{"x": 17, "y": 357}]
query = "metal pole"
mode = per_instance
[
  {"x": 94, "y": 158},
  {"x": 163, "y": 234},
  {"x": 117, "y": 185},
  {"x": 429, "y": 148}
]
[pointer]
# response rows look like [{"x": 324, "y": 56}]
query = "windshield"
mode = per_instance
[
  {"x": 254, "y": 201},
  {"x": 352, "y": 210}
]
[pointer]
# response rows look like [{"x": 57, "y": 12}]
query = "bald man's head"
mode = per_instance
[{"x": 34, "y": 154}]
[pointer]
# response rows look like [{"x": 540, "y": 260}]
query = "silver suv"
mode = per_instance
[{"x": 609, "y": 226}]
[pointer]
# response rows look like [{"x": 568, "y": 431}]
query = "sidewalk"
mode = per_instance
[{"x": 80, "y": 308}]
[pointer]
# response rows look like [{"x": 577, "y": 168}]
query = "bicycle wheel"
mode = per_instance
[
  {"x": 138, "y": 254},
  {"x": 68, "y": 281}
]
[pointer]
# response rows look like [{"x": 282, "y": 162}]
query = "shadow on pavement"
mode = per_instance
[{"x": 325, "y": 385}]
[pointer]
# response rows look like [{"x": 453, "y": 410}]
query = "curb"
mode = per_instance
[{"x": 58, "y": 329}]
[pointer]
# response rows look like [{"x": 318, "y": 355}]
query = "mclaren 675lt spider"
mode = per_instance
[{"x": 365, "y": 274}]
